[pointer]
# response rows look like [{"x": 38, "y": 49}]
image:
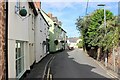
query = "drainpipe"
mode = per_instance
[{"x": 6, "y": 41}]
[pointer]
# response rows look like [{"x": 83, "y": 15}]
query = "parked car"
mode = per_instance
[{"x": 70, "y": 47}]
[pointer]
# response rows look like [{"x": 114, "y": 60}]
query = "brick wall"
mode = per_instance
[
  {"x": 2, "y": 40},
  {"x": 111, "y": 62}
]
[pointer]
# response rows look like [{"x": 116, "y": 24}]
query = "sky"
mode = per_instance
[{"x": 68, "y": 12}]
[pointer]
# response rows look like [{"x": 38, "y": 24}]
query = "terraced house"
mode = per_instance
[
  {"x": 41, "y": 36},
  {"x": 32, "y": 34},
  {"x": 27, "y": 37},
  {"x": 57, "y": 34}
]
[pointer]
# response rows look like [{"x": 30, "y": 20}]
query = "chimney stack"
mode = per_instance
[
  {"x": 50, "y": 15},
  {"x": 37, "y": 4}
]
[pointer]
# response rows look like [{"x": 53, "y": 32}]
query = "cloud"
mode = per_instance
[
  {"x": 68, "y": 12},
  {"x": 59, "y": 5},
  {"x": 62, "y": 8}
]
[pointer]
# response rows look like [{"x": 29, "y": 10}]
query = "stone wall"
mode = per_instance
[{"x": 2, "y": 40}]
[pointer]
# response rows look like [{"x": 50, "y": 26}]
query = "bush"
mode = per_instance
[{"x": 80, "y": 45}]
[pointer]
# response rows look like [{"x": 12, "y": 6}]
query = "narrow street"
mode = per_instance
[
  {"x": 76, "y": 64},
  {"x": 44, "y": 39}
]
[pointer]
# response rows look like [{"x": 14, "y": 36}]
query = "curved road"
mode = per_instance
[{"x": 76, "y": 64}]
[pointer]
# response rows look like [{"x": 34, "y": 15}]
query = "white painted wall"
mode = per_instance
[
  {"x": 50, "y": 31},
  {"x": 11, "y": 59},
  {"x": 17, "y": 30},
  {"x": 41, "y": 33},
  {"x": 38, "y": 39},
  {"x": 25, "y": 30},
  {"x": 31, "y": 28}
]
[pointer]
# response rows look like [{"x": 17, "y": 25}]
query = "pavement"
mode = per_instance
[
  {"x": 110, "y": 72},
  {"x": 77, "y": 64},
  {"x": 38, "y": 69}
]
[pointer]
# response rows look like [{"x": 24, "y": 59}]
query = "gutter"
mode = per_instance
[{"x": 33, "y": 7}]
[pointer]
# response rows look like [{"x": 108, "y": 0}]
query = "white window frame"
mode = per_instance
[{"x": 19, "y": 58}]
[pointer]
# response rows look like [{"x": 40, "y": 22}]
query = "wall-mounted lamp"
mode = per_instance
[{"x": 21, "y": 12}]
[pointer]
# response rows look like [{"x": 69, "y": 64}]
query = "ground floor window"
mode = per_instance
[{"x": 19, "y": 57}]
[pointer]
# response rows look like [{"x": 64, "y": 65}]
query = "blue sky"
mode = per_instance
[{"x": 68, "y": 12}]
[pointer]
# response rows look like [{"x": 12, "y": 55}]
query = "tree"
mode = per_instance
[
  {"x": 82, "y": 26},
  {"x": 93, "y": 31}
]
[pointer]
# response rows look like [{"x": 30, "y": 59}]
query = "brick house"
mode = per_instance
[{"x": 2, "y": 41}]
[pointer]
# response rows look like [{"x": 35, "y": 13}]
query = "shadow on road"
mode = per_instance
[
  {"x": 38, "y": 69},
  {"x": 65, "y": 67}
]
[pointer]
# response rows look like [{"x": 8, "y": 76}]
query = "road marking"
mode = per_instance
[
  {"x": 112, "y": 75},
  {"x": 100, "y": 65},
  {"x": 46, "y": 67},
  {"x": 50, "y": 76},
  {"x": 48, "y": 63},
  {"x": 52, "y": 59},
  {"x": 109, "y": 73}
]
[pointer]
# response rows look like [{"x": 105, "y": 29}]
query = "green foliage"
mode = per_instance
[
  {"x": 97, "y": 19},
  {"x": 95, "y": 34},
  {"x": 80, "y": 45},
  {"x": 112, "y": 36}
]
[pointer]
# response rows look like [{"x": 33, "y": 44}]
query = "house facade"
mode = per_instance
[
  {"x": 55, "y": 32},
  {"x": 64, "y": 39},
  {"x": 72, "y": 42},
  {"x": 60, "y": 36},
  {"x": 52, "y": 46},
  {"x": 28, "y": 37},
  {"x": 31, "y": 32},
  {"x": 41, "y": 37},
  {"x": 18, "y": 41}
]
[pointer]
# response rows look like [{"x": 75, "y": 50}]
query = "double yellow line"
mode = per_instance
[
  {"x": 46, "y": 74},
  {"x": 49, "y": 76}
]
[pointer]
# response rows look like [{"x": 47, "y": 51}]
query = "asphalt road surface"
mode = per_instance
[{"x": 76, "y": 64}]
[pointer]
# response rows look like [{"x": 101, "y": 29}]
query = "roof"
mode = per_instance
[
  {"x": 64, "y": 30},
  {"x": 52, "y": 20},
  {"x": 44, "y": 18},
  {"x": 46, "y": 14}
]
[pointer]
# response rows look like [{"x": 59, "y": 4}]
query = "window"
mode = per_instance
[
  {"x": 17, "y": 7},
  {"x": 40, "y": 19},
  {"x": 19, "y": 57},
  {"x": 50, "y": 25},
  {"x": 32, "y": 22}
]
